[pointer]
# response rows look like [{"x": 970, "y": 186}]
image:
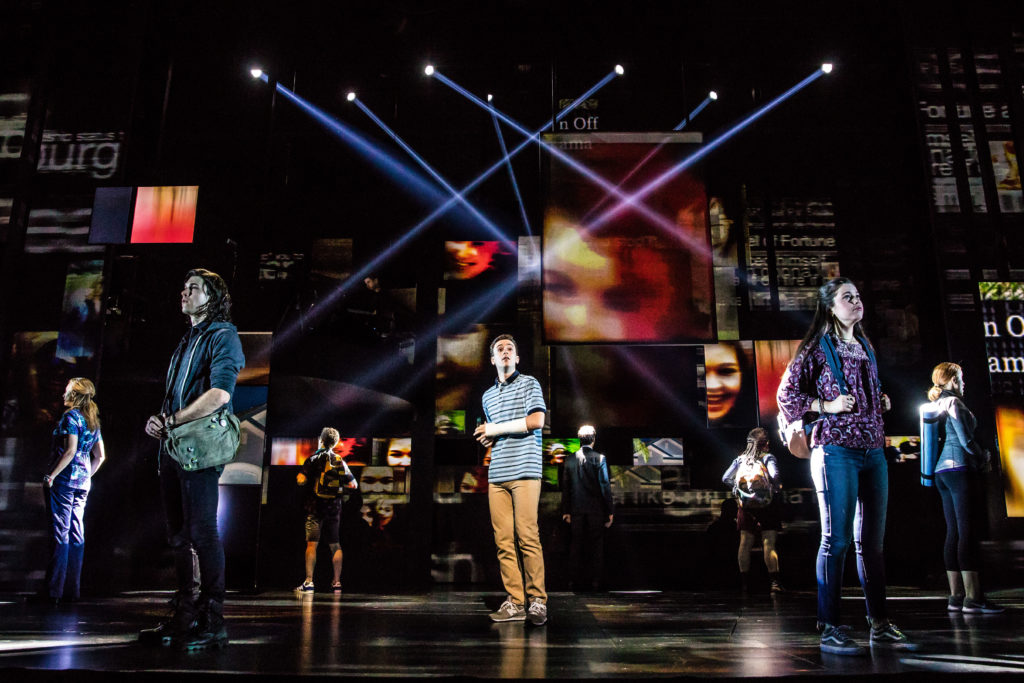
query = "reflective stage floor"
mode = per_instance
[{"x": 447, "y": 633}]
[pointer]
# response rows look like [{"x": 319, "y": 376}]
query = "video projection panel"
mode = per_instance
[
  {"x": 626, "y": 276},
  {"x": 165, "y": 214},
  {"x": 640, "y": 387}
]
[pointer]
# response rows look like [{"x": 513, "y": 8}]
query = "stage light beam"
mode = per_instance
[
  {"x": 633, "y": 199},
  {"x": 619, "y": 69},
  {"x": 351, "y": 97},
  {"x": 827, "y": 67},
  {"x": 713, "y": 95},
  {"x": 256, "y": 72},
  {"x": 484, "y": 221},
  {"x": 429, "y": 69}
]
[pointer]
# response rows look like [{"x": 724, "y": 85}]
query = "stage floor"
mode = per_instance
[{"x": 447, "y": 633}]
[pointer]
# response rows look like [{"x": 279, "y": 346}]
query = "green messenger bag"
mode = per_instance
[{"x": 207, "y": 442}]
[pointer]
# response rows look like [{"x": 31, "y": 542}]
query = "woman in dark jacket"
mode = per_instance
[{"x": 958, "y": 459}]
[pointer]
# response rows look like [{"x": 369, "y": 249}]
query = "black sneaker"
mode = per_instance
[
  {"x": 982, "y": 607},
  {"x": 209, "y": 631},
  {"x": 886, "y": 634},
  {"x": 835, "y": 641},
  {"x": 955, "y": 603},
  {"x": 182, "y": 620}
]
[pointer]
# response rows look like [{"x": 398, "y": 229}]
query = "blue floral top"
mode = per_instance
[{"x": 76, "y": 475}]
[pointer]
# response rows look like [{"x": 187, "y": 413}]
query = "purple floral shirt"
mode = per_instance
[{"x": 809, "y": 377}]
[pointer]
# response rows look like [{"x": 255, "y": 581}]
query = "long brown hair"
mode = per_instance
[
  {"x": 824, "y": 322},
  {"x": 943, "y": 374},
  {"x": 79, "y": 396}
]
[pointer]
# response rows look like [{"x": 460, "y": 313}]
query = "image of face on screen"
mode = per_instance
[
  {"x": 599, "y": 288},
  {"x": 626, "y": 273}
]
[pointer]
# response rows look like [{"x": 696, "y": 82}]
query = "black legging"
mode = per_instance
[{"x": 960, "y": 551}]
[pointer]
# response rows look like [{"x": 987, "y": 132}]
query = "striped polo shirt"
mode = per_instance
[{"x": 514, "y": 456}]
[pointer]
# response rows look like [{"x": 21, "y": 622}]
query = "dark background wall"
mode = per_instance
[{"x": 172, "y": 80}]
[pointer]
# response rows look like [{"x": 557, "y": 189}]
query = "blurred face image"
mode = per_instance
[
  {"x": 467, "y": 260},
  {"x": 603, "y": 289},
  {"x": 400, "y": 453},
  {"x": 376, "y": 480},
  {"x": 724, "y": 379}
]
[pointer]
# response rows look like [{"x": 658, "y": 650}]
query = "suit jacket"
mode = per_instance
[{"x": 585, "y": 486}]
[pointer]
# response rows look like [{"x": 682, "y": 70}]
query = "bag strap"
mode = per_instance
[{"x": 832, "y": 357}]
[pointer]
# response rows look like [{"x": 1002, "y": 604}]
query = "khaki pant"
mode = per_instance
[{"x": 514, "y": 518}]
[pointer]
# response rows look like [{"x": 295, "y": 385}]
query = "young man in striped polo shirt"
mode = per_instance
[{"x": 514, "y": 409}]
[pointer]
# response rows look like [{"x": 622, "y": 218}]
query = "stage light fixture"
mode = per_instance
[
  {"x": 351, "y": 96},
  {"x": 713, "y": 95},
  {"x": 429, "y": 70},
  {"x": 827, "y": 67},
  {"x": 619, "y": 70},
  {"x": 490, "y": 97},
  {"x": 256, "y": 72}
]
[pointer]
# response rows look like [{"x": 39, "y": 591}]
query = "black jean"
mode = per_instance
[
  {"x": 190, "y": 504},
  {"x": 960, "y": 551}
]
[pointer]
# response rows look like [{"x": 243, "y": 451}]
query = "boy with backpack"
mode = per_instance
[{"x": 325, "y": 474}]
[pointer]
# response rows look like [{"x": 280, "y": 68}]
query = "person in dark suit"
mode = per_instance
[{"x": 588, "y": 508}]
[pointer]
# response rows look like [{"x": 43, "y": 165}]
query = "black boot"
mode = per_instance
[
  {"x": 181, "y": 621},
  {"x": 209, "y": 630}
]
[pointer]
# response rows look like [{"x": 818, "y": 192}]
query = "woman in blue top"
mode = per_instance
[
  {"x": 960, "y": 456},
  {"x": 76, "y": 458}
]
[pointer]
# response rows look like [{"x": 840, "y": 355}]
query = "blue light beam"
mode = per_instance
[
  {"x": 399, "y": 172},
  {"x": 693, "y": 114},
  {"x": 668, "y": 226},
  {"x": 531, "y": 137},
  {"x": 486, "y": 222},
  {"x": 511, "y": 173},
  {"x": 702, "y": 152}
]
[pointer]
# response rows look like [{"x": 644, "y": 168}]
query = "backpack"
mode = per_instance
[
  {"x": 329, "y": 483},
  {"x": 753, "y": 486}
]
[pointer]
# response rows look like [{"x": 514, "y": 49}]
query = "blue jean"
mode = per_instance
[
  {"x": 853, "y": 491},
  {"x": 67, "y": 517}
]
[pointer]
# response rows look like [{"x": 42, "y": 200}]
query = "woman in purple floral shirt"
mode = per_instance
[
  {"x": 78, "y": 452},
  {"x": 847, "y": 461}
]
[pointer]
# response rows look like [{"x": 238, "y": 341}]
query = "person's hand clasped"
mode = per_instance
[
  {"x": 886, "y": 403},
  {"x": 843, "y": 403},
  {"x": 156, "y": 427},
  {"x": 481, "y": 435}
]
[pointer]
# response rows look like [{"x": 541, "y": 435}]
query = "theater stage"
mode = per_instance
[{"x": 447, "y": 633}]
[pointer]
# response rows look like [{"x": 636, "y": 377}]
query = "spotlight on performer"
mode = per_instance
[
  {"x": 351, "y": 96},
  {"x": 619, "y": 70},
  {"x": 256, "y": 72},
  {"x": 827, "y": 67},
  {"x": 429, "y": 70},
  {"x": 713, "y": 95}
]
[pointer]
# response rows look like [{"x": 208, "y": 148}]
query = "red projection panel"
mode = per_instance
[{"x": 165, "y": 214}]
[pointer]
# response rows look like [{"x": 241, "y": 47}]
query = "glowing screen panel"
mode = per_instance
[
  {"x": 165, "y": 215},
  {"x": 632, "y": 277}
]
